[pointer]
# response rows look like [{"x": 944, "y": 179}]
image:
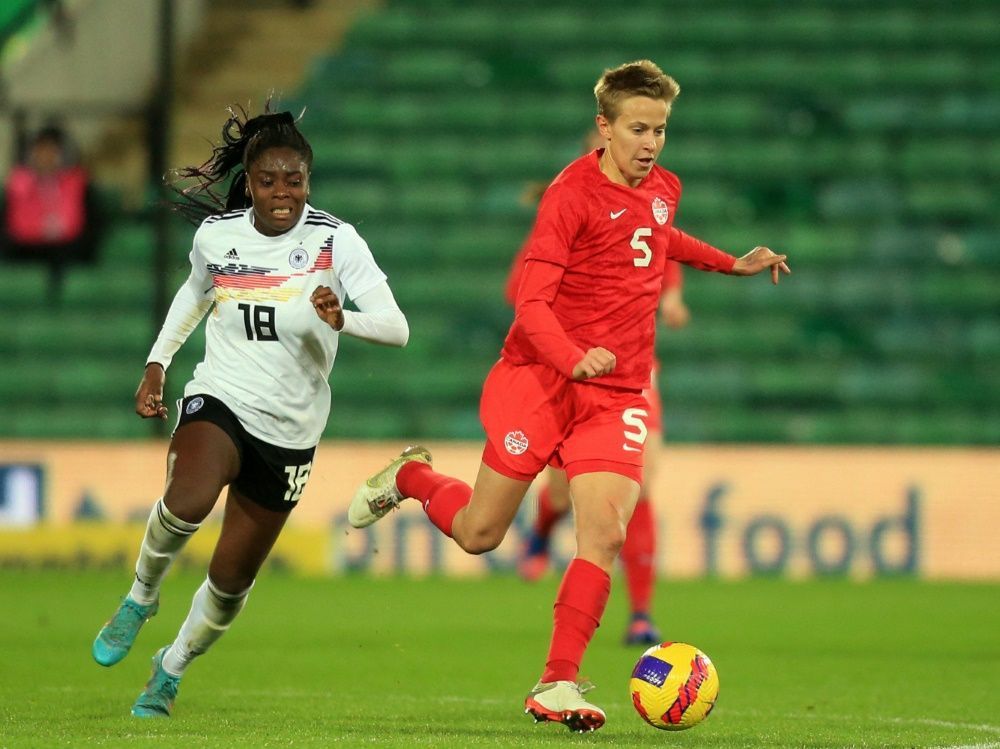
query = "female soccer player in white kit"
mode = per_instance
[{"x": 273, "y": 271}]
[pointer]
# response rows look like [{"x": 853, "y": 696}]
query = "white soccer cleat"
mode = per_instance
[
  {"x": 378, "y": 495},
  {"x": 562, "y": 702}
]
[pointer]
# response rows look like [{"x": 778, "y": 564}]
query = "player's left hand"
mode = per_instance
[
  {"x": 327, "y": 306},
  {"x": 758, "y": 259}
]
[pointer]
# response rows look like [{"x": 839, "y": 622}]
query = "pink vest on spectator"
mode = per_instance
[{"x": 46, "y": 209}]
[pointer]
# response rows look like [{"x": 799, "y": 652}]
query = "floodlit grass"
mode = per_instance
[{"x": 389, "y": 662}]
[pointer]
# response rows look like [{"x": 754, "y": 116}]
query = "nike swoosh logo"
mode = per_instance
[{"x": 616, "y": 215}]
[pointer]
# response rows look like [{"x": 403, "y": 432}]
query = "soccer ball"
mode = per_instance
[{"x": 674, "y": 686}]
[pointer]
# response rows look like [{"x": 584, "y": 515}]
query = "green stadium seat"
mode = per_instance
[
  {"x": 368, "y": 421},
  {"x": 943, "y": 158},
  {"x": 23, "y": 286},
  {"x": 353, "y": 111},
  {"x": 455, "y": 422},
  {"x": 490, "y": 245},
  {"x": 879, "y": 384},
  {"x": 822, "y": 245},
  {"x": 978, "y": 246},
  {"x": 109, "y": 287},
  {"x": 420, "y": 68},
  {"x": 955, "y": 200},
  {"x": 76, "y": 420},
  {"x": 337, "y": 155},
  {"x": 722, "y": 113},
  {"x": 127, "y": 243},
  {"x": 453, "y": 289},
  {"x": 714, "y": 335},
  {"x": 860, "y": 200},
  {"x": 26, "y": 380},
  {"x": 441, "y": 199},
  {"x": 70, "y": 333},
  {"x": 955, "y": 291},
  {"x": 351, "y": 200}
]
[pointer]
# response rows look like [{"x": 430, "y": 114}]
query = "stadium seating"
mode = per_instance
[{"x": 860, "y": 139}]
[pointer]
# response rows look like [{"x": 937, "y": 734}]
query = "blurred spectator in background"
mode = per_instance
[{"x": 48, "y": 215}]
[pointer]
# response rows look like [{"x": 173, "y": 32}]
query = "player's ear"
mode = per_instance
[{"x": 603, "y": 126}]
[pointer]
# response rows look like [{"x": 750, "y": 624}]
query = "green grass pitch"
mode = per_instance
[{"x": 390, "y": 662}]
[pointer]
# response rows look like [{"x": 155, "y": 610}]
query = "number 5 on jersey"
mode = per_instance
[{"x": 639, "y": 245}]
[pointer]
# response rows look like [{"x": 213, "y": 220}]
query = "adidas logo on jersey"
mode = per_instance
[{"x": 232, "y": 255}]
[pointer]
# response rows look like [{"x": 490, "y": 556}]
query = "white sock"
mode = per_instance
[
  {"x": 165, "y": 536},
  {"x": 212, "y": 611}
]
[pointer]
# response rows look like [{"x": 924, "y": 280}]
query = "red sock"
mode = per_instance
[
  {"x": 579, "y": 606},
  {"x": 548, "y": 516},
  {"x": 638, "y": 556},
  {"x": 441, "y": 496}
]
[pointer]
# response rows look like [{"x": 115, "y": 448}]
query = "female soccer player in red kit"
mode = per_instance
[
  {"x": 638, "y": 554},
  {"x": 567, "y": 390}
]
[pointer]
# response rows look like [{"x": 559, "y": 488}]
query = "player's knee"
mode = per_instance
[
  {"x": 480, "y": 541},
  {"x": 191, "y": 503},
  {"x": 606, "y": 544},
  {"x": 614, "y": 540}
]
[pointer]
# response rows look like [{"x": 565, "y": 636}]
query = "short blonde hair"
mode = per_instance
[{"x": 639, "y": 78}]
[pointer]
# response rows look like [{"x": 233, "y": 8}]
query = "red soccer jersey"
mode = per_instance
[
  {"x": 673, "y": 276},
  {"x": 610, "y": 243}
]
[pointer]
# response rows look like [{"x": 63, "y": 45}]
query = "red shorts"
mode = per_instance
[{"x": 533, "y": 417}]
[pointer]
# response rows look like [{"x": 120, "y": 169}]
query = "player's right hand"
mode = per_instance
[
  {"x": 149, "y": 396},
  {"x": 595, "y": 363},
  {"x": 327, "y": 306}
]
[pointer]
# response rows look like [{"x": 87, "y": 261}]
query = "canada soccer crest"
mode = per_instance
[
  {"x": 661, "y": 211},
  {"x": 516, "y": 442}
]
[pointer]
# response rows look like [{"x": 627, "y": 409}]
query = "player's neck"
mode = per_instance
[{"x": 610, "y": 170}]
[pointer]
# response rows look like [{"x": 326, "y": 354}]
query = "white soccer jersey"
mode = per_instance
[{"x": 268, "y": 355}]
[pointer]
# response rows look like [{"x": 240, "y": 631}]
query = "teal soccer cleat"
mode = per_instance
[
  {"x": 157, "y": 699},
  {"x": 116, "y": 637}
]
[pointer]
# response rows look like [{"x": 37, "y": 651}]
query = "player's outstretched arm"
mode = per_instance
[
  {"x": 149, "y": 396},
  {"x": 758, "y": 259}
]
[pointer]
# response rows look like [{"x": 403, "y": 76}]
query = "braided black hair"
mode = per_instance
[{"x": 244, "y": 139}]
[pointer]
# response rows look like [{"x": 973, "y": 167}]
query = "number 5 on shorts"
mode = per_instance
[
  {"x": 297, "y": 477},
  {"x": 636, "y": 419}
]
